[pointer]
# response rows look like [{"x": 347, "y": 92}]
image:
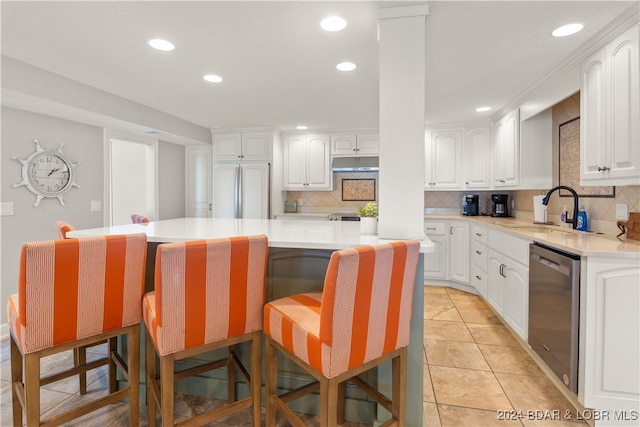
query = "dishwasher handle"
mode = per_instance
[{"x": 562, "y": 269}]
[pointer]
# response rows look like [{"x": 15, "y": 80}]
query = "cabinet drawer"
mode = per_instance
[
  {"x": 512, "y": 246},
  {"x": 434, "y": 227},
  {"x": 479, "y": 233},
  {"x": 479, "y": 280},
  {"x": 479, "y": 254}
]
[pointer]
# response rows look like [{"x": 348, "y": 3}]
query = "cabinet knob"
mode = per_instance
[{"x": 467, "y": 182}]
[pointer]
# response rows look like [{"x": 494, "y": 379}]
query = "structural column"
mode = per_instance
[{"x": 402, "y": 113}]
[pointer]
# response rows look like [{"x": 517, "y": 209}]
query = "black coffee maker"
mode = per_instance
[
  {"x": 470, "y": 205},
  {"x": 499, "y": 205}
]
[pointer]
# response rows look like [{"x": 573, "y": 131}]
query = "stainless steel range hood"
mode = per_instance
[{"x": 354, "y": 164}]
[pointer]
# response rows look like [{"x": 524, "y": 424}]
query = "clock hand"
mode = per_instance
[{"x": 53, "y": 170}]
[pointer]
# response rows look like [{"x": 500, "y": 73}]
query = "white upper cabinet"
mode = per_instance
[
  {"x": 506, "y": 151},
  {"x": 478, "y": 156},
  {"x": 355, "y": 145},
  {"x": 443, "y": 160},
  {"x": 610, "y": 111},
  {"x": 307, "y": 162},
  {"x": 242, "y": 146}
]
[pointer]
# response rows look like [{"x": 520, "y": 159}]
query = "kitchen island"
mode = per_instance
[{"x": 298, "y": 254}]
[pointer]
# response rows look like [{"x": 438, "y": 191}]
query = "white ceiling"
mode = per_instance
[{"x": 279, "y": 66}]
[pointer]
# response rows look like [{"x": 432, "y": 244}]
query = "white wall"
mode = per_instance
[{"x": 84, "y": 144}]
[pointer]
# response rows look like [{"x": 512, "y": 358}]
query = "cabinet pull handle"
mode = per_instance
[
  {"x": 451, "y": 230},
  {"x": 478, "y": 277},
  {"x": 603, "y": 169},
  {"x": 479, "y": 253},
  {"x": 479, "y": 234}
]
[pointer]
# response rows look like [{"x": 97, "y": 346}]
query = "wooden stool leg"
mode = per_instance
[
  {"x": 341, "y": 400},
  {"x": 32, "y": 388},
  {"x": 399, "y": 386},
  {"x": 231, "y": 377},
  {"x": 256, "y": 377},
  {"x": 16, "y": 377},
  {"x": 329, "y": 402},
  {"x": 133, "y": 352},
  {"x": 112, "y": 348},
  {"x": 166, "y": 390},
  {"x": 150, "y": 361},
  {"x": 79, "y": 359},
  {"x": 271, "y": 382}
]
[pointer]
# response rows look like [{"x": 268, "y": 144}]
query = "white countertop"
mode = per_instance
[
  {"x": 579, "y": 242},
  {"x": 282, "y": 233}
]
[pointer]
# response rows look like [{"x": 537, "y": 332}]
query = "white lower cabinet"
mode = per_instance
[
  {"x": 479, "y": 259},
  {"x": 610, "y": 334},
  {"x": 459, "y": 251},
  {"x": 508, "y": 287},
  {"x": 435, "y": 263}
]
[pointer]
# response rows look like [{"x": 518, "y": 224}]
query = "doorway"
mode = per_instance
[{"x": 131, "y": 184}]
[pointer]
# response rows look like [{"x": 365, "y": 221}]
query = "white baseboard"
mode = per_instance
[{"x": 4, "y": 331}]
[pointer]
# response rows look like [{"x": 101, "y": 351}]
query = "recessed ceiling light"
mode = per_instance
[
  {"x": 302, "y": 127},
  {"x": 333, "y": 23},
  {"x": 346, "y": 66},
  {"x": 567, "y": 30},
  {"x": 212, "y": 78},
  {"x": 482, "y": 109},
  {"x": 161, "y": 44}
]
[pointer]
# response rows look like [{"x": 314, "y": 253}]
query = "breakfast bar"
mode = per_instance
[{"x": 298, "y": 254}]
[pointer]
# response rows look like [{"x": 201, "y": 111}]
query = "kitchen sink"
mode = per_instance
[{"x": 540, "y": 229}]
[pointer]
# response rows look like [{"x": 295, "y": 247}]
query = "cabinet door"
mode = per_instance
[
  {"x": 623, "y": 105},
  {"x": 495, "y": 294},
  {"x": 224, "y": 190},
  {"x": 294, "y": 155},
  {"x": 592, "y": 136},
  {"x": 447, "y": 159},
  {"x": 516, "y": 297},
  {"x": 435, "y": 263},
  {"x": 343, "y": 145},
  {"x": 255, "y": 191},
  {"x": 610, "y": 333},
  {"x": 506, "y": 151},
  {"x": 318, "y": 166},
  {"x": 459, "y": 251},
  {"x": 256, "y": 146},
  {"x": 368, "y": 145},
  {"x": 198, "y": 191},
  {"x": 478, "y": 157},
  {"x": 227, "y": 147}
]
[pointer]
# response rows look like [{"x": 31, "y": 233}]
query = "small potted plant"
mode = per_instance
[{"x": 368, "y": 218}]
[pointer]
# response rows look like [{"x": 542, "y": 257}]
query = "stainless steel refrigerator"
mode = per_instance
[{"x": 241, "y": 190}]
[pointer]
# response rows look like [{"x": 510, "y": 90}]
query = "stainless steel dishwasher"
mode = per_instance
[{"x": 554, "y": 298}]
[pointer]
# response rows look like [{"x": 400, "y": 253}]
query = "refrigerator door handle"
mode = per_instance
[{"x": 240, "y": 193}]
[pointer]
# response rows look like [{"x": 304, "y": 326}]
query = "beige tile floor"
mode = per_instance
[{"x": 474, "y": 371}]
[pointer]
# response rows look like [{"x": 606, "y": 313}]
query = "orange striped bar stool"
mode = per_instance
[
  {"x": 359, "y": 320},
  {"x": 63, "y": 228},
  {"x": 208, "y": 295},
  {"x": 72, "y": 293},
  {"x": 80, "y": 353},
  {"x": 139, "y": 219}
]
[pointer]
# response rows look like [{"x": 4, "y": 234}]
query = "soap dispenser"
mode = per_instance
[{"x": 582, "y": 224}]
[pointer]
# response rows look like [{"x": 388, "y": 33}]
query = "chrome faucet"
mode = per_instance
[{"x": 573, "y": 221}]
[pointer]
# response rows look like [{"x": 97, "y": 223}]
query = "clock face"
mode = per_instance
[{"x": 49, "y": 173}]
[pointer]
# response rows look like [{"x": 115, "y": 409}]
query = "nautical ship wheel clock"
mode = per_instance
[{"x": 47, "y": 173}]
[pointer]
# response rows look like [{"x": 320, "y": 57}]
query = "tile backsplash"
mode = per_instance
[
  {"x": 601, "y": 211},
  {"x": 332, "y": 199}
]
